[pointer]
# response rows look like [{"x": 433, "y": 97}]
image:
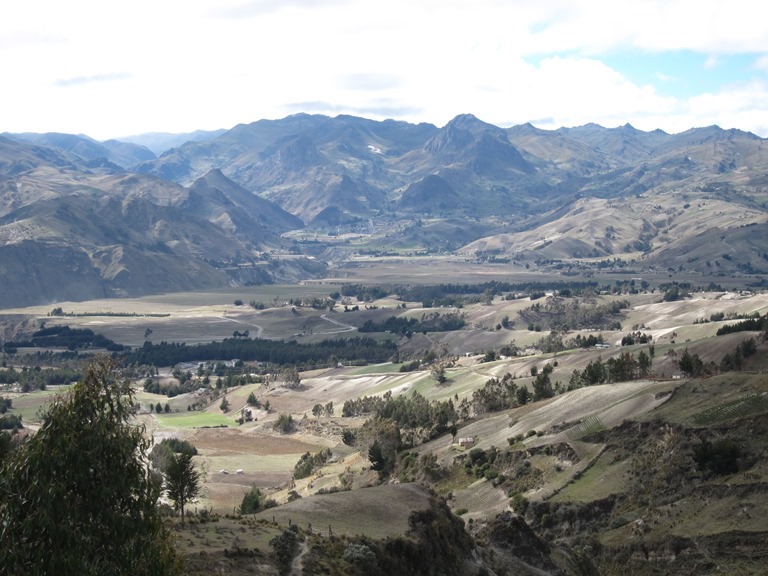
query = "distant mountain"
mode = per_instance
[
  {"x": 160, "y": 142},
  {"x": 222, "y": 205},
  {"x": 68, "y": 234},
  {"x": 111, "y": 154}
]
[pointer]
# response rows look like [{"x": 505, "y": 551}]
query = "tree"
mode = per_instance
[
  {"x": 542, "y": 387},
  {"x": 78, "y": 497},
  {"x": 438, "y": 373},
  {"x": 182, "y": 481},
  {"x": 253, "y": 502},
  {"x": 690, "y": 364},
  {"x": 375, "y": 455},
  {"x": 224, "y": 405},
  {"x": 643, "y": 364},
  {"x": 291, "y": 378},
  {"x": 285, "y": 546},
  {"x": 284, "y": 423}
]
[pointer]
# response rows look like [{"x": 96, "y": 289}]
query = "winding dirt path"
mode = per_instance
[
  {"x": 296, "y": 565},
  {"x": 345, "y": 327}
]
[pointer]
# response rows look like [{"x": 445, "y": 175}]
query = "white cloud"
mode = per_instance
[{"x": 178, "y": 65}]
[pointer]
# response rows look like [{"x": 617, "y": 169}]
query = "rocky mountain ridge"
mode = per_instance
[{"x": 215, "y": 209}]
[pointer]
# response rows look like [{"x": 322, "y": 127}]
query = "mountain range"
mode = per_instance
[{"x": 82, "y": 219}]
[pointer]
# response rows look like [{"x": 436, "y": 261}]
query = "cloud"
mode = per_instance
[
  {"x": 377, "y": 109},
  {"x": 82, "y": 80},
  {"x": 190, "y": 64},
  {"x": 761, "y": 63},
  {"x": 255, "y": 8},
  {"x": 369, "y": 81}
]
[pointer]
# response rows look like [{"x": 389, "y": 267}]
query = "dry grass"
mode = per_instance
[{"x": 377, "y": 512}]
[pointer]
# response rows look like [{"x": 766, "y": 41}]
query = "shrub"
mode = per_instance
[
  {"x": 284, "y": 424},
  {"x": 253, "y": 502}
]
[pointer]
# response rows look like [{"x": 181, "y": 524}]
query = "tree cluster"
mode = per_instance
[
  {"x": 563, "y": 315},
  {"x": 66, "y": 337},
  {"x": 622, "y": 368},
  {"x": 309, "y": 463},
  {"x": 269, "y": 351},
  {"x": 36, "y": 378},
  {"x": 412, "y": 412},
  {"x": 750, "y": 324},
  {"x": 636, "y": 338},
  {"x": 433, "y": 322}
]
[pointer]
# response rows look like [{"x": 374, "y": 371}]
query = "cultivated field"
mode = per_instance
[{"x": 234, "y": 457}]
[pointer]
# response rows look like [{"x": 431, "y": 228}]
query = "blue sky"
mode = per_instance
[
  {"x": 685, "y": 73},
  {"x": 110, "y": 69}
]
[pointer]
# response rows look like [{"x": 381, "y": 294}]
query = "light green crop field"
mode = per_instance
[
  {"x": 29, "y": 405},
  {"x": 377, "y": 369},
  {"x": 194, "y": 420},
  {"x": 603, "y": 478}
]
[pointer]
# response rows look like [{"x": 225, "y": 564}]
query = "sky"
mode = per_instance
[{"x": 112, "y": 68}]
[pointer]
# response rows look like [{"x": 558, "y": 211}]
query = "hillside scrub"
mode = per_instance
[
  {"x": 571, "y": 314},
  {"x": 435, "y": 543},
  {"x": 423, "y": 419}
]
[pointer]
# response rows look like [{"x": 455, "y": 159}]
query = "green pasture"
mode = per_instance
[
  {"x": 603, "y": 478},
  {"x": 715, "y": 400},
  {"x": 194, "y": 420},
  {"x": 387, "y": 368},
  {"x": 28, "y": 405},
  {"x": 748, "y": 405}
]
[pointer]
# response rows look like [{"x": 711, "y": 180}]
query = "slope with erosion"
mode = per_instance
[
  {"x": 129, "y": 234},
  {"x": 692, "y": 230}
]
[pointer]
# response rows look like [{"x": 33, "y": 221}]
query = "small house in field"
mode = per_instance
[{"x": 467, "y": 441}]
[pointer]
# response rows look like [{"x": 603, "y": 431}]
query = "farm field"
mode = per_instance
[{"x": 574, "y": 450}]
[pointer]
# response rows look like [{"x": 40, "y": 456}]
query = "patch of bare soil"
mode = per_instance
[{"x": 229, "y": 440}]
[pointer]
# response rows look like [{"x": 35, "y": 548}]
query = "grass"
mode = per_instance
[
  {"x": 194, "y": 420},
  {"x": 377, "y": 512},
  {"x": 587, "y": 426},
  {"x": 715, "y": 400},
  {"x": 377, "y": 369},
  {"x": 28, "y": 405},
  {"x": 600, "y": 480},
  {"x": 224, "y": 533},
  {"x": 750, "y": 404}
]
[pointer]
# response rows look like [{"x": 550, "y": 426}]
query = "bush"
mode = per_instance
[
  {"x": 285, "y": 546},
  {"x": 720, "y": 457},
  {"x": 284, "y": 424},
  {"x": 361, "y": 555},
  {"x": 519, "y": 503},
  {"x": 253, "y": 502}
]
